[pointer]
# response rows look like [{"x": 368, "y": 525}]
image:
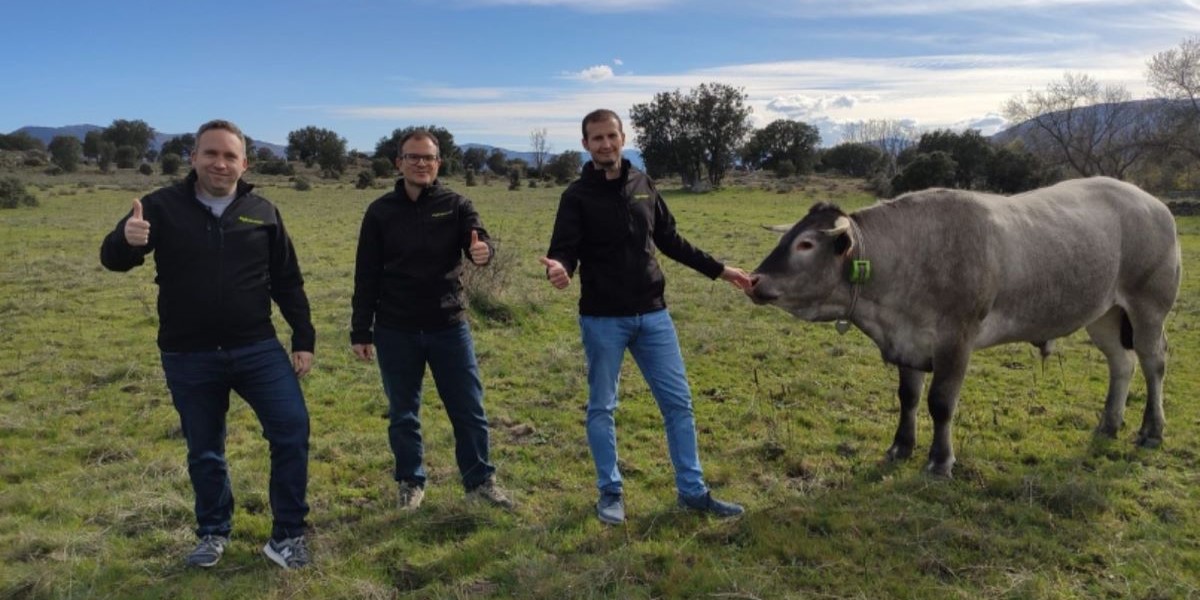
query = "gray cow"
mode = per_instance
[{"x": 934, "y": 275}]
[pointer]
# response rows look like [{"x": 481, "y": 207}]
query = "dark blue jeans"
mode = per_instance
[
  {"x": 450, "y": 354},
  {"x": 262, "y": 374}
]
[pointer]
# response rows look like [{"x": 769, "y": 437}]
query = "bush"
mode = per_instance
[
  {"x": 126, "y": 157},
  {"x": 365, "y": 180},
  {"x": 54, "y": 170},
  {"x": 170, "y": 163},
  {"x": 14, "y": 194},
  {"x": 785, "y": 169},
  {"x": 301, "y": 185},
  {"x": 514, "y": 180},
  {"x": 470, "y": 178},
  {"x": 275, "y": 167},
  {"x": 382, "y": 167},
  {"x": 146, "y": 169}
]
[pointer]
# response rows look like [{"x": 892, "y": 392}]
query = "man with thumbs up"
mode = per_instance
[
  {"x": 408, "y": 305},
  {"x": 221, "y": 256}
]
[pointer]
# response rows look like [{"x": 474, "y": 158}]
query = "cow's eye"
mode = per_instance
[{"x": 804, "y": 245}]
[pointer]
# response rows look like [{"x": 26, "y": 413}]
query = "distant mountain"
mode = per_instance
[
  {"x": 45, "y": 134},
  {"x": 632, "y": 154},
  {"x": 1026, "y": 129}
]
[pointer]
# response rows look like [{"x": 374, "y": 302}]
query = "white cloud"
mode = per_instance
[
  {"x": 595, "y": 73},
  {"x": 618, "y": 62}
]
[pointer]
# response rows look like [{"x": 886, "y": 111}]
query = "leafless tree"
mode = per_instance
[
  {"x": 891, "y": 136},
  {"x": 1083, "y": 126},
  {"x": 1175, "y": 76},
  {"x": 541, "y": 148}
]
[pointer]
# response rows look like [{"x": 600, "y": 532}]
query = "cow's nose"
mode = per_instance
[{"x": 760, "y": 294}]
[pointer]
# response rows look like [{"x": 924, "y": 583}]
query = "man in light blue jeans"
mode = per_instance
[{"x": 610, "y": 222}]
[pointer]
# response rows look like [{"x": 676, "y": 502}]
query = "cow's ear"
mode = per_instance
[{"x": 842, "y": 244}]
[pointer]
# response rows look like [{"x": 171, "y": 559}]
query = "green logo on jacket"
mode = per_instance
[
  {"x": 441, "y": 214},
  {"x": 252, "y": 221},
  {"x": 641, "y": 197}
]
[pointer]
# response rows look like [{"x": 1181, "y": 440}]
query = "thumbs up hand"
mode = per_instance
[
  {"x": 137, "y": 229},
  {"x": 555, "y": 273},
  {"x": 480, "y": 252}
]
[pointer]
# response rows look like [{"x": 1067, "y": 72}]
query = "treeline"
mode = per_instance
[{"x": 1075, "y": 127}]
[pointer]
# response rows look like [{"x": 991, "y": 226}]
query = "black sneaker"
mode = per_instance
[
  {"x": 710, "y": 505},
  {"x": 291, "y": 553},
  {"x": 208, "y": 552}
]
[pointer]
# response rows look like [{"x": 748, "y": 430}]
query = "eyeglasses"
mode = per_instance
[{"x": 416, "y": 159}]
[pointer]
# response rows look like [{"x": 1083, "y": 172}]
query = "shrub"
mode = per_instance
[
  {"x": 784, "y": 169},
  {"x": 301, "y": 185},
  {"x": 126, "y": 157},
  {"x": 146, "y": 169},
  {"x": 14, "y": 194},
  {"x": 365, "y": 180},
  {"x": 514, "y": 180},
  {"x": 275, "y": 167},
  {"x": 382, "y": 167},
  {"x": 54, "y": 170},
  {"x": 170, "y": 163},
  {"x": 470, "y": 178}
]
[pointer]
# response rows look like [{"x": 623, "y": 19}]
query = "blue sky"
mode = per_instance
[{"x": 491, "y": 71}]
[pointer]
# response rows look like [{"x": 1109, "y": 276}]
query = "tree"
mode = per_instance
[
  {"x": 108, "y": 153},
  {"x": 970, "y": 151},
  {"x": 180, "y": 145},
  {"x": 1175, "y": 75},
  {"x": 452, "y": 160},
  {"x": 134, "y": 134},
  {"x": 782, "y": 140},
  {"x": 565, "y": 167},
  {"x": 540, "y": 148},
  {"x": 852, "y": 158},
  {"x": 936, "y": 169},
  {"x": 264, "y": 153},
  {"x": 126, "y": 157},
  {"x": 497, "y": 162},
  {"x": 382, "y": 167},
  {"x": 315, "y": 145},
  {"x": 1077, "y": 123},
  {"x": 474, "y": 159},
  {"x": 170, "y": 163},
  {"x": 692, "y": 135},
  {"x": 91, "y": 144},
  {"x": 890, "y": 136},
  {"x": 20, "y": 141},
  {"x": 1013, "y": 171},
  {"x": 66, "y": 152}
]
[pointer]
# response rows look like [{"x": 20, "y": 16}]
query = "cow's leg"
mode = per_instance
[
  {"x": 1150, "y": 344},
  {"x": 1106, "y": 334},
  {"x": 949, "y": 369},
  {"x": 911, "y": 382}
]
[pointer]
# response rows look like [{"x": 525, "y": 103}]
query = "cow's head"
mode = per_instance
[{"x": 807, "y": 266}]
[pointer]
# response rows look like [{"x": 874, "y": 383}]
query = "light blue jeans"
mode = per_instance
[{"x": 651, "y": 340}]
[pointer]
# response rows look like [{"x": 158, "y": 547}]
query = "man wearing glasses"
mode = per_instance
[{"x": 408, "y": 304}]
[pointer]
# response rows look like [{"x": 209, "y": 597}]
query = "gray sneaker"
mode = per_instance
[
  {"x": 707, "y": 504},
  {"x": 491, "y": 493},
  {"x": 291, "y": 553},
  {"x": 410, "y": 496},
  {"x": 208, "y": 552},
  {"x": 611, "y": 508}
]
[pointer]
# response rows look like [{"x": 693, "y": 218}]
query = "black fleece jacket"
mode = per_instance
[
  {"x": 216, "y": 276},
  {"x": 609, "y": 229},
  {"x": 410, "y": 260}
]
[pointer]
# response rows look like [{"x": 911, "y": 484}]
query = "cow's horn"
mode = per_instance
[{"x": 840, "y": 226}]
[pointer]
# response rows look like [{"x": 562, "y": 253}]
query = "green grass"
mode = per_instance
[{"x": 793, "y": 419}]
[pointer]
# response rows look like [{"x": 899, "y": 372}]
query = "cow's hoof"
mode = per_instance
[
  {"x": 1106, "y": 431},
  {"x": 897, "y": 452},
  {"x": 1145, "y": 440},
  {"x": 943, "y": 469}
]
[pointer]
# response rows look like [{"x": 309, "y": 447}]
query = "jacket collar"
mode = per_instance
[
  {"x": 591, "y": 173},
  {"x": 433, "y": 188}
]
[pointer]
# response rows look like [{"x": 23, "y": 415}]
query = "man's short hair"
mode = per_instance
[
  {"x": 417, "y": 134},
  {"x": 599, "y": 115},
  {"x": 221, "y": 124}
]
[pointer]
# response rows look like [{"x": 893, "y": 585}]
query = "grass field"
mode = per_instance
[{"x": 793, "y": 419}]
